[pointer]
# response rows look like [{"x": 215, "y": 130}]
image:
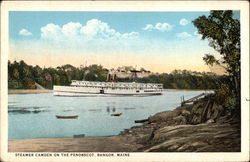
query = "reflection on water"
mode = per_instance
[
  {"x": 67, "y": 110},
  {"x": 95, "y": 109},
  {"x": 129, "y": 108},
  {"x": 108, "y": 110},
  {"x": 27, "y": 107},
  {"x": 34, "y": 115},
  {"x": 25, "y": 110}
]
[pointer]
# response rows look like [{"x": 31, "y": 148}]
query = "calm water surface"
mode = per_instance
[{"x": 34, "y": 115}]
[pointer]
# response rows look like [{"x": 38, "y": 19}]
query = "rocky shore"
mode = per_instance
[{"x": 203, "y": 126}]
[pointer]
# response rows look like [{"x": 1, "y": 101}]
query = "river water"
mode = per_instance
[{"x": 34, "y": 115}]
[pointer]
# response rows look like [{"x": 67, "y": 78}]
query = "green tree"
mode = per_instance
[
  {"x": 14, "y": 84},
  {"x": 26, "y": 71},
  {"x": 28, "y": 83},
  {"x": 16, "y": 74},
  {"x": 95, "y": 73},
  {"x": 223, "y": 34},
  {"x": 56, "y": 79}
]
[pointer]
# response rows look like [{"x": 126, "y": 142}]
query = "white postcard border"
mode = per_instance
[{"x": 7, "y": 6}]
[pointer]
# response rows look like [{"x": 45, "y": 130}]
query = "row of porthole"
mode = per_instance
[
  {"x": 113, "y": 88},
  {"x": 117, "y": 85}
]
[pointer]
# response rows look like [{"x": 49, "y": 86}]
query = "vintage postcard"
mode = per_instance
[{"x": 125, "y": 81}]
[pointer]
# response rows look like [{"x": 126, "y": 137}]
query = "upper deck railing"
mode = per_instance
[{"x": 116, "y": 84}]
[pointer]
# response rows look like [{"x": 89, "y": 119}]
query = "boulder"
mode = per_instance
[{"x": 210, "y": 121}]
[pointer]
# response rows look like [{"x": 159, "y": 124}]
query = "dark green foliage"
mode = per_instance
[
  {"x": 21, "y": 75},
  {"x": 95, "y": 73},
  {"x": 183, "y": 80},
  {"x": 230, "y": 103},
  {"x": 223, "y": 33},
  {"x": 28, "y": 83},
  {"x": 15, "y": 84}
]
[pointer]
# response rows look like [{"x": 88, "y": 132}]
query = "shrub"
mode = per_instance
[
  {"x": 222, "y": 94},
  {"x": 230, "y": 103},
  {"x": 29, "y": 84},
  {"x": 14, "y": 84}
]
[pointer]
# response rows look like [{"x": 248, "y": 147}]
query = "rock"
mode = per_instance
[
  {"x": 196, "y": 138},
  {"x": 183, "y": 147},
  {"x": 217, "y": 110},
  {"x": 189, "y": 128},
  {"x": 210, "y": 121},
  {"x": 196, "y": 107},
  {"x": 204, "y": 113},
  {"x": 174, "y": 147},
  {"x": 194, "y": 120},
  {"x": 185, "y": 113},
  {"x": 198, "y": 144},
  {"x": 180, "y": 120}
]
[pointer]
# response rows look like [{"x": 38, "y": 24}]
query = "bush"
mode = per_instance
[
  {"x": 14, "y": 84},
  {"x": 230, "y": 103},
  {"x": 225, "y": 97},
  {"x": 222, "y": 94},
  {"x": 29, "y": 84}
]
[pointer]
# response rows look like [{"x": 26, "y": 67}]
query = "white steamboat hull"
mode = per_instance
[{"x": 105, "y": 92}]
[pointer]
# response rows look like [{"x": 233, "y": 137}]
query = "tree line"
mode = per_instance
[
  {"x": 184, "y": 79},
  {"x": 24, "y": 76}
]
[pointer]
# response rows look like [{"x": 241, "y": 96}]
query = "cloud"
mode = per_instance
[
  {"x": 129, "y": 35},
  {"x": 197, "y": 35},
  {"x": 51, "y": 32},
  {"x": 163, "y": 27},
  {"x": 97, "y": 28},
  {"x": 148, "y": 27},
  {"x": 93, "y": 29},
  {"x": 71, "y": 29},
  {"x": 183, "y": 35},
  {"x": 25, "y": 32},
  {"x": 184, "y": 22}
]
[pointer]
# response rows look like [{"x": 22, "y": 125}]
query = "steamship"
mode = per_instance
[{"x": 109, "y": 88}]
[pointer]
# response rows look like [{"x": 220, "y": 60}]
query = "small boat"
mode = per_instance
[
  {"x": 79, "y": 136},
  {"x": 67, "y": 117},
  {"x": 141, "y": 121},
  {"x": 117, "y": 114}
]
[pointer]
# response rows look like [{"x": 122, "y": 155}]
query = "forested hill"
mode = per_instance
[{"x": 23, "y": 76}]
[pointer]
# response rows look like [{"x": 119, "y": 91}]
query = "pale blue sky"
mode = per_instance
[
  {"x": 120, "y": 21},
  {"x": 159, "y": 41}
]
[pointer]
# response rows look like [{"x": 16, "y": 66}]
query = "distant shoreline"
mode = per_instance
[
  {"x": 29, "y": 91},
  {"x": 173, "y": 90}
]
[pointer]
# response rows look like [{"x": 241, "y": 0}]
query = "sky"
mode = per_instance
[{"x": 157, "y": 41}]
